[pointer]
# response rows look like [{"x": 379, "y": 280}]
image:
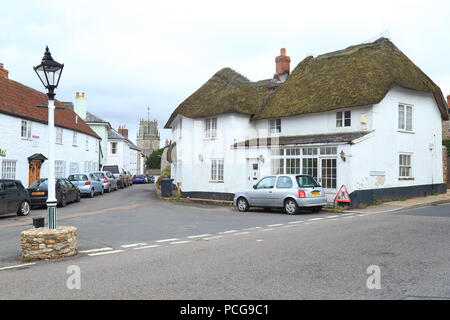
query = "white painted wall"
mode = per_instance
[{"x": 19, "y": 149}]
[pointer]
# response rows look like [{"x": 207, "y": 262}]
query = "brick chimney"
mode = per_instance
[
  {"x": 123, "y": 131},
  {"x": 283, "y": 63},
  {"x": 3, "y": 72}
]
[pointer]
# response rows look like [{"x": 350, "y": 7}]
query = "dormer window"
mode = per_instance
[{"x": 274, "y": 126}]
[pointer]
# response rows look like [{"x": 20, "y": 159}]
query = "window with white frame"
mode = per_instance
[
  {"x": 26, "y": 130},
  {"x": 217, "y": 170},
  {"x": 113, "y": 148},
  {"x": 405, "y": 117},
  {"x": 274, "y": 126},
  {"x": 210, "y": 128},
  {"x": 343, "y": 119},
  {"x": 59, "y": 169},
  {"x": 9, "y": 169},
  {"x": 59, "y": 136},
  {"x": 405, "y": 168},
  {"x": 75, "y": 142}
]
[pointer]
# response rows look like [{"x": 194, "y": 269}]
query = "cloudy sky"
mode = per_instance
[{"x": 130, "y": 55}]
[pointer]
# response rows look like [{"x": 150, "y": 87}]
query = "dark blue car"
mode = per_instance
[{"x": 139, "y": 179}]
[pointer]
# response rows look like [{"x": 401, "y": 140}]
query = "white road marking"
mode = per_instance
[
  {"x": 96, "y": 250},
  {"x": 180, "y": 242},
  {"x": 17, "y": 266},
  {"x": 295, "y": 222},
  {"x": 229, "y": 231},
  {"x": 103, "y": 253},
  {"x": 167, "y": 240},
  {"x": 332, "y": 217},
  {"x": 266, "y": 229},
  {"x": 348, "y": 217},
  {"x": 316, "y": 219},
  {"x": 147, "y": 247},
  {"x": 275, "y": 225},
  {"x": 133, "y": 245},
  {"x": 290, "y": 226},
  {"x": 212, "y": 238},
  {"x": 200, "y": 236},
  {"x": 241, "y": 233},
  {"x": 347, "y": 214},
  {"x": 259, "y": 240},
  {"x": 253, "y": 228}
]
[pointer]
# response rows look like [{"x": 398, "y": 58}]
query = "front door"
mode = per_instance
[{"x": 34, "y": 171}]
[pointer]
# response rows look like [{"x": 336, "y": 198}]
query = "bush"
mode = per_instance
[{"x": 446, "y": 142}]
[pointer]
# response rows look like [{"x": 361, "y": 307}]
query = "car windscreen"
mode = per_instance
[
  {"x": 78, "y": 177},
  {"x": 38, "y": 183},
  {"x": 112, "y": 169},
  {"x": 307, "y": 182}
]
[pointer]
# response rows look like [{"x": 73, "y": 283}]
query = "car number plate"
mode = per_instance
[
  {"x": 315, "y": 193},
  {"x": 38, "y": 193}
]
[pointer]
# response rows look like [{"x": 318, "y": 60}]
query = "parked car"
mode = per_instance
[
  {"x": 88, "y": 184},
  {"x": 66, "y": 192},
  {"x": 129, "y": 178},
  {"x": 140, "y": 178},
  {"x": 108, "y": 180},
  {"x": 283, "y": 191},
  {"x": 118, "y": 173},
  {"x": 14, "y": 198},
  {"x": 151, "y": 179}
]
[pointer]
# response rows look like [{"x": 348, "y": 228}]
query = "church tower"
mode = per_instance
[{"x": 148, "y": 136}]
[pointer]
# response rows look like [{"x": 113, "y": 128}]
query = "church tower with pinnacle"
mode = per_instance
[{"x": 148, "y": 136}]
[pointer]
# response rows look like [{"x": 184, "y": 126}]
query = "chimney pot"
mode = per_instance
[
  {"x": 3, "y": 72},
  {"x": 283, "y": 51}
]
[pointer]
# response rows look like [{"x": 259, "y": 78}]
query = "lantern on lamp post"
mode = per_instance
[{"x": 49, "y": 72}]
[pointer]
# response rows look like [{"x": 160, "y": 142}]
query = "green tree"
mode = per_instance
[{"x": 153, "y": 161}]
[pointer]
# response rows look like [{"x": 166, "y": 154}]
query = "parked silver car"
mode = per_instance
[
  {"x": 88, "y": 184},
  {"x": 108, "y": 180},
  {"x": 283, "y": 191}
]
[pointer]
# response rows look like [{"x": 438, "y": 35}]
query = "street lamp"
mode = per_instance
[{"x": 49, "y": 72}]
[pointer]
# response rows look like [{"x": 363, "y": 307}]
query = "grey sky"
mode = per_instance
[{"x": 129, "y": 55}]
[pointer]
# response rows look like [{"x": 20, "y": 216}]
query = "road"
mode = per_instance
[{"x": 137, "y": 247}]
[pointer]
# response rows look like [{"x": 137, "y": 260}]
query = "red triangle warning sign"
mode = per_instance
[{"x": 342, "y": 195}]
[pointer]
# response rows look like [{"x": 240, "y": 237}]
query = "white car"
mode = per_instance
[{"x": 283, "y": 191}]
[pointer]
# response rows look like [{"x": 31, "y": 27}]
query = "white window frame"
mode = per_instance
[
  {"x": 111, "y": 147},
  {"x": 405, "y": 165},
  {"x": 341, "y": 118},
  {"x": 25, "y": 131},
  {"x": 60, "y": 169},
  {"x": 217, "y": 170},
  {"x": 9, "y": 169},
  {"x": 274, "y": 126},
  {"x": 405, "y": 124},
  {"x": 210, "y": 128},
  {"x": 74, "y": 168},
  {"x": 59, "y": 135}
]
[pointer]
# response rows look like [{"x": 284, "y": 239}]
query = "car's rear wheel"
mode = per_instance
[
  {"x": 24, "y": 209},
  {"x": 78, "y": 198},
  {"x": 63, "y": 201},
  {"x": 102, "y": 191},
  {"x": 242, "y": 205},
  {"x": 290, "y": 206}
]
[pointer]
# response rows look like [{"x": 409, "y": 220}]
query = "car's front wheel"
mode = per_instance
[
  {"x": 91, "y": 193},
  {"x": 242, "y": 205},
  {"x": 24, "y": 209},
  {"x": 290, "y": 206},
  {"x": 78, "y": 198}
]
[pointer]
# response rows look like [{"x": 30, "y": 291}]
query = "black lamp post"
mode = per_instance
[{"x": 49, "y": 72}]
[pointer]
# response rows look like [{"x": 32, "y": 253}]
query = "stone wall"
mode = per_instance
[
  {"x": 445, "y": 129},
  {"x": 44, "y": 243}
]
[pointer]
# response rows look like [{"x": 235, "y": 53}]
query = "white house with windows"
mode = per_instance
[
  {"x": 24, "y": 135},
  {"x": 123, "y": 152},
  {"x": 365, "y": 117}
]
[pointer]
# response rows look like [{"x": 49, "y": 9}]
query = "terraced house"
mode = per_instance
[
  {"x": 365, "y": 117},
  {"x": 24, "y": 135}
]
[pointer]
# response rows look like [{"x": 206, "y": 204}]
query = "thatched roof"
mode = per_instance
[
  {"x": 357, "y": 76},
  {"x": 226, "y": 92}
]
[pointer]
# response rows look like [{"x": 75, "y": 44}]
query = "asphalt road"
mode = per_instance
[{"x": 142, "y": 248}]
